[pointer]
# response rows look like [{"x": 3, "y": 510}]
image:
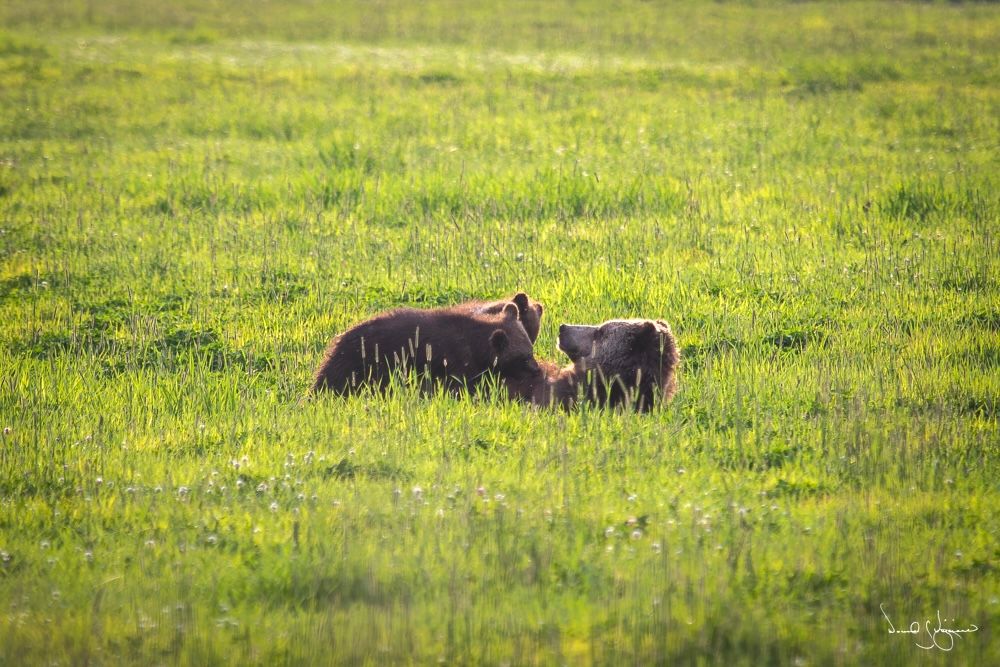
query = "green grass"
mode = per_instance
[{"x": 195, "y": 196}]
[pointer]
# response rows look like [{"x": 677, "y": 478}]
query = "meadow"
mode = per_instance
[{"x": 196, "y": 196}]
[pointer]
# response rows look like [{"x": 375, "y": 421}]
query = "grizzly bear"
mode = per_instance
[
  {"x": 620, "y": 363},
  {"x": 529, "y": 311},
  {"x": 447, "y": 346}
]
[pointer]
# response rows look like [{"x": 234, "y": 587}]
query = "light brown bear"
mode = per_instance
[
  {"x": 620, "y": 363},
  {"x": 454, "y": 347}
]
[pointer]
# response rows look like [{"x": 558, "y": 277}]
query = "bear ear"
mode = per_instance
[
  {"x": 498, "y": 341},
  {"x": 510, "y": 311},
  {"x": 644, "y": 333},
  {"x": 521, "y": 300}
]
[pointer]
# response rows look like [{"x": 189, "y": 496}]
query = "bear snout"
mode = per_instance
[{"x": 576, "y": 340}]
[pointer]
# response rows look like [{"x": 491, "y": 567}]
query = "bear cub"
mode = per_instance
[
  {"x": 457, "y": 347},
  {"x": 620, "y": 363}
]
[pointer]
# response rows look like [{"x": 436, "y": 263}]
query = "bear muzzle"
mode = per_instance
[{"x": 577, "y": 340}]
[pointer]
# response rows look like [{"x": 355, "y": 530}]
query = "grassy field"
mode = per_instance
[{"x": 195, "y": 196}]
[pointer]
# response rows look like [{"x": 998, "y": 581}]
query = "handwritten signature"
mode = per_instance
[{"x": 948, "y": 635}]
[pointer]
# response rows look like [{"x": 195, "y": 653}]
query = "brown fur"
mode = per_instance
[
  {"x": 621, "y": 363},
  {"x": 448, "y": 346},
  {"x": 530, "y": 312}
]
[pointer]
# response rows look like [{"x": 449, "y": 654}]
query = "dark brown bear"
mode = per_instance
[
  {"x": 448, "y": 346},
  {"x": 620, "y": 363},
  {"x": 529, "y": 311}
]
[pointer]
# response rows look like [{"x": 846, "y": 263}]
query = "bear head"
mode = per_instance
[
  {"x": 529, "y": 312},
  {"x": 624, "y": 361},
  {"x": 511, "y": 349}
]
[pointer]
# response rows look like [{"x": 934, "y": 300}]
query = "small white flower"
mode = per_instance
[
  {"x": 274, "y": 506},
  {"x": 636, "y": 534},
  {"x": 609, "y": 531}
]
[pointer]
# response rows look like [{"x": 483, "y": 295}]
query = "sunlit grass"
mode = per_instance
[{"x": 194, "y": 200}]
